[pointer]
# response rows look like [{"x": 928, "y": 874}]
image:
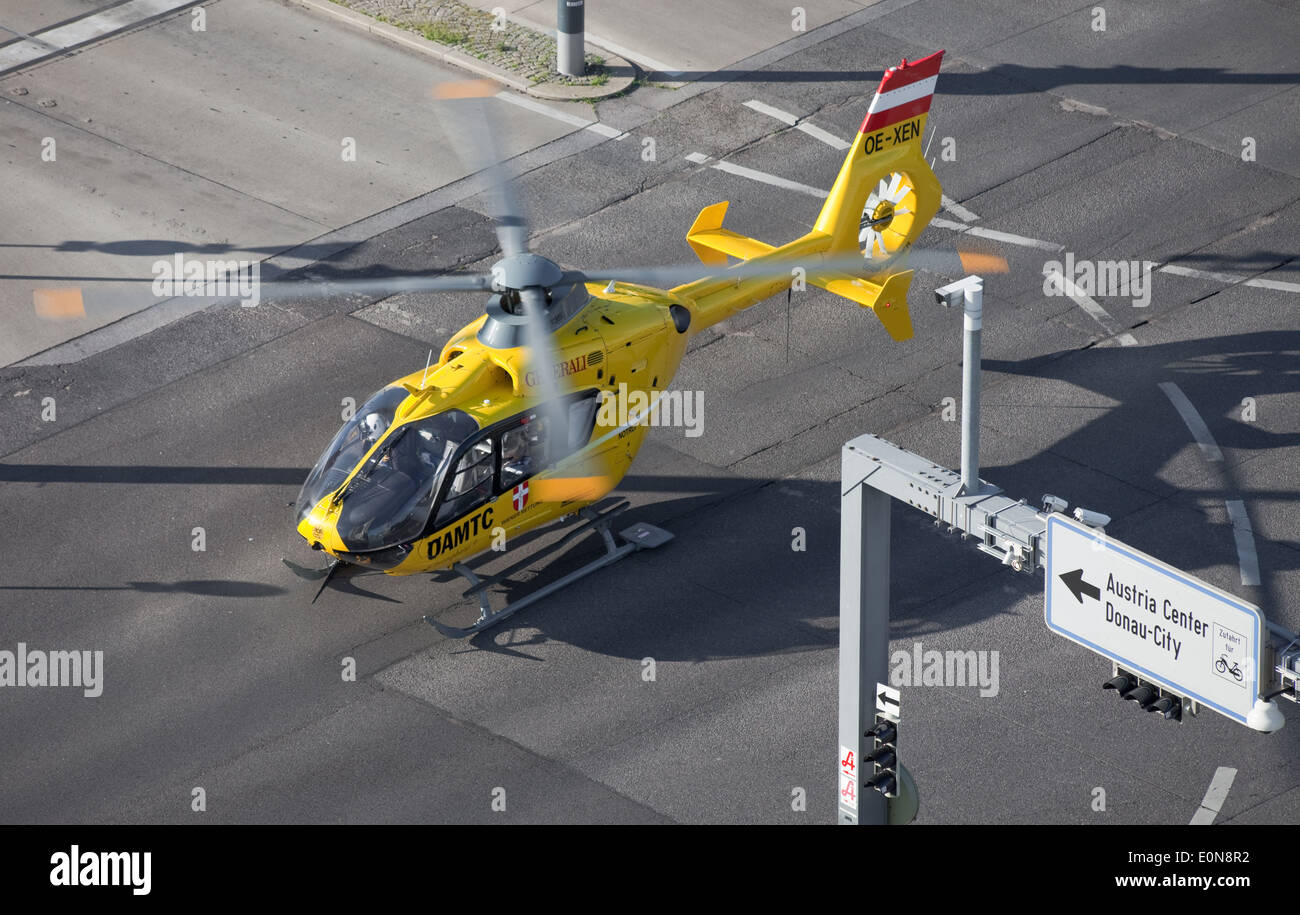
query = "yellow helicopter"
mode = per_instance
[
  {"x": 514, "y": 426},
  {"x": 517, "y": 423}
]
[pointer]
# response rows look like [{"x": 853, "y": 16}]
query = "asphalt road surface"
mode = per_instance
[{"x": 220, "y": 674}]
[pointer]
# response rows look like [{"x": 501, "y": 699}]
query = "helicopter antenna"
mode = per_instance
[{"x": 426, "y": 369}]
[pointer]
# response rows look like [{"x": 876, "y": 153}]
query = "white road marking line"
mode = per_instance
[
  {"x": 785, "y": 117},
  {"x": 755, "y": 175},
  {"x": 1201, "y": 274},
  {"x": 1086, "y": 302},
  {"x": 1215, "y": 795},
  {"x": 1090, "y": 305},
  {"x": 1195, "y": 424},
  {"x": 594, "y": 126},
  {"x": 958, "y": 210},
  {"x": 1244, "y": 534},
  {"x": 1274, "y": 284},
  {"x": 1230, "y": 278},
  {"x": 995, "y": 235},
  {"x": 824, "y": 136},
  {"x": 59, "y": 39}
]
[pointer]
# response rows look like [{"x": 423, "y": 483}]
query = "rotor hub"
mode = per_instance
[{"x": 519, "y": 271}]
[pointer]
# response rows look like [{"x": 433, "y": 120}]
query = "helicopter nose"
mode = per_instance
[{"x": 320, "y": 532}]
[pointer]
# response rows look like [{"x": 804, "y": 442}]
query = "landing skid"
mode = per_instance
[{"x": 639, "y": 536}]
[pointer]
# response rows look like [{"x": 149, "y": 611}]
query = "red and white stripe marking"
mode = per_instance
[{"x": 905, "y": 92}]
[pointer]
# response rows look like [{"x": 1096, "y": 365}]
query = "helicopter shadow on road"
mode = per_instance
[
  {"x": 730, "y": 585},
  {"x": 206, "y": 587}
]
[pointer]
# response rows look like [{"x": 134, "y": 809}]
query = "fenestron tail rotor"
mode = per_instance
[{"x": 887, "y": 216}]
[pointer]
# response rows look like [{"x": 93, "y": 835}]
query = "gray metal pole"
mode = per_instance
[
  {"x": 570, "y": 58},
  {"x": 864, "y": 630},
  {"x": 973, "y": 297}
]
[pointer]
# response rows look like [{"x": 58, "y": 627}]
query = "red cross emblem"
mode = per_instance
[{"x": 520, "y": 496}]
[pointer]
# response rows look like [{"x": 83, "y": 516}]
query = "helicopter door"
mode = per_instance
[
  {"x": 529, "y": 445},
  {"x": 471, "y": 484}
]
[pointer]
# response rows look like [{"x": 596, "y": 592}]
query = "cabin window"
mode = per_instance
[{"x": 471, "y": 484}]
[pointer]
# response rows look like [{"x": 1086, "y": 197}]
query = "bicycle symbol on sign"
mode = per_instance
[{"x": 1223, "y": 666}]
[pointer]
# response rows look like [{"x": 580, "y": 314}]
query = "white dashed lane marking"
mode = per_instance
[
  {"x": 1230, "y": 279},
  {"x": 1195, "y": 425},
  {"x": 1244, "y": 534},
  {"x": 1215, "y": 795}
]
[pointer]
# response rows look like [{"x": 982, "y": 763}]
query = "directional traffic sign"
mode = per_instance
[
  {"x": 888, "y": 701},
  {"x": 1152, "y": 619}
]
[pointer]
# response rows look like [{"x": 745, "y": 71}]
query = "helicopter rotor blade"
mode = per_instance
[
  {"x": 70, "y": 297},
  {"x": 475, "y": 133},
  {"x": 938, "y": 260}
]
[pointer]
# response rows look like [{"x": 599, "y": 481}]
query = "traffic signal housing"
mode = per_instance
[
  {"x": 883, "y": 756},
  {"x": 1148, "y": 696}
]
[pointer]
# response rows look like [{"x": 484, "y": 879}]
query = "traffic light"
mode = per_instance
[
  {"x": 1170, "y": 707},
  {"x": 1121, "y": 683},
  {"x": 884, "y": 756},
  {"x": 1148, "y": 696},
  {"x": 1143, "y": 695}
]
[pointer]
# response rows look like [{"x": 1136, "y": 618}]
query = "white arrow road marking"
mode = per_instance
[
  {"x": 1196, "y": 425},
  {"x": 1247, "y": 557},
  {"x": 1215, "y": 795}
]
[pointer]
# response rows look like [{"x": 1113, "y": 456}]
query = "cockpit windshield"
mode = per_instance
[
  {"x": 351, "y": 443},
  {"x": 389, "y": 499}
]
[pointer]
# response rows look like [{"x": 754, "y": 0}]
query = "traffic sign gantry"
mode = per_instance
[{"x": 1152, "y": 619}]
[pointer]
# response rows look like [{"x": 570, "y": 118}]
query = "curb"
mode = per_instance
[{"x": 623, "y": 73}]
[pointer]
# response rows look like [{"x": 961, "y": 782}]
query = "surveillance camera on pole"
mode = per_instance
[
  {"x": 1091, "y": 518},
  {"x": 1053, "y": 503}
]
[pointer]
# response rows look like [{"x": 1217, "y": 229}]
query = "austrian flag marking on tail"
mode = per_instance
[
  {"x": 520, "y": 496},
  {"x": 905, "y": 93}
]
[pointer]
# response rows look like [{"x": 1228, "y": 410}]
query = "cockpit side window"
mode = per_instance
[
  {"x": 533, "y": 445},
  {"x": 523, "y": 451},
  {"x": 471, "y": 483}
]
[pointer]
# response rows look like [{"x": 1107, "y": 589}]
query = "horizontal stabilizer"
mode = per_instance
[
  {"x": 712, "y": 244},
  {"x": 888, "y": 299}
]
